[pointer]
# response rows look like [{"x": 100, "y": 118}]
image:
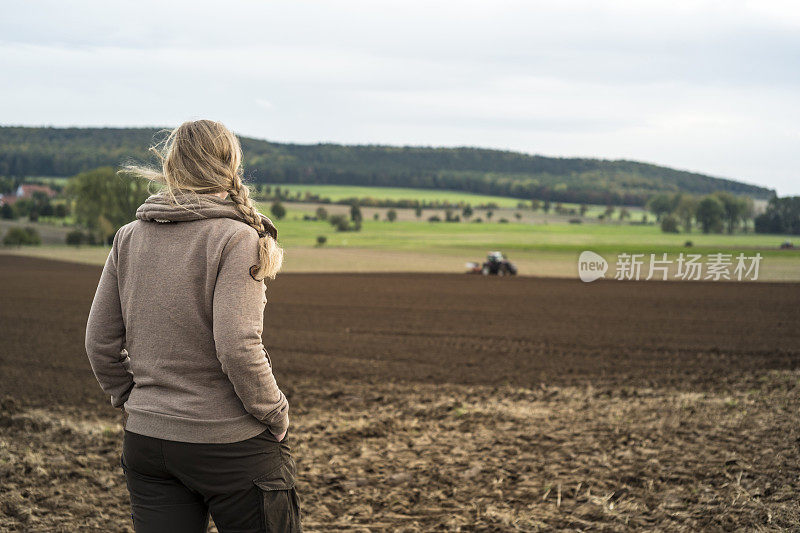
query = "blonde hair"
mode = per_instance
[{"x": 202, "y": 157}]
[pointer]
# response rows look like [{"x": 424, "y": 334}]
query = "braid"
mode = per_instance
[{"x": 270, "y": 255}]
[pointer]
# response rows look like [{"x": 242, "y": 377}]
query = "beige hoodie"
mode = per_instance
[{"x": 174, "y": 332}]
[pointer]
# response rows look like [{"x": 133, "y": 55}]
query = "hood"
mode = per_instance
[{"x": 161, "y": 208}]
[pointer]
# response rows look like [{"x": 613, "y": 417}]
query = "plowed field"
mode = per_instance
[{"x": 451, "y": 402}]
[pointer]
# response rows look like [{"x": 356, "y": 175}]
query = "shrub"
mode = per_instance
[
  {"x": 341, "y": 223},
  {"x": 76, "y": 238},
  {"x": 434, "y": 218},
  {"x": 321, "y": 240},
  {"x": 575, "y": 221},
  {"x": 22, "y": 237},
  {"x": 503, "y": 221},
  {"x": 7, "y": 212},
  {"x": 322, "y": 213},
  {"x": 277, "y": 210},
  {"x": 669, "y": 224}
]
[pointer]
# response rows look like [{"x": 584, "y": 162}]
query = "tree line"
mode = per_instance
[{"x": 68, "y": 151}]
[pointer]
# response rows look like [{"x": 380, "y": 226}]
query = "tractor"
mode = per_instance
[{"x": 496, "y": 264}]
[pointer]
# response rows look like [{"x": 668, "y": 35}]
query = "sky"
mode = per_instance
[{"x": 707, "y": 86}]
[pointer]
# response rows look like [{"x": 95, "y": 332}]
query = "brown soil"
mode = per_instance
[{"x": 446, "y": 402}]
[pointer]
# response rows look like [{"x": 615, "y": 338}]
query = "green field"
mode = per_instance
[
  {"x": 541, "y": 249},
  {"x": 340, "y": 192},
  {"x": 610, "y": 238}
]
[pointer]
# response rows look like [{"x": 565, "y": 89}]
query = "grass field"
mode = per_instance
[
  {"x": 549, "y": 250},
  {"x": 339, "y": 192}
]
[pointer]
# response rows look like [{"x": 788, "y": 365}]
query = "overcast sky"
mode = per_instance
[{"x": 707, "y": 86}]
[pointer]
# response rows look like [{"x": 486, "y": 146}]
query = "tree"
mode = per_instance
[
  {"x": 355, "y": 213},
  {"x": 105, "y": 200},
  {"x": 391, "y": 215},
  {"x": 535, "y": 205},
  {"x": 710, "y": 214},
  {"x": 609, "y": 211},
  {"x": 489, "y": 214},
  {"x": 782, "y": 216},
  {"x": 660, "y": 205},
  {"x": 418, "y": 211},
  {"x": 583, "y": 209},
  {"x": 685, "y": 211},
  {"x": 467, "y": 211},
  {"x": 546, "y": 206},
  {"x": 321, "y": 240},
  {"x": 517, "y": 216},
  {"x": 624, "y": 213},
  {"x": 277, "y": 210},
  {"x": 669, "y": 224},
  {"x": 735, "y": 208},
  {"x": 322, "y": 213},
  {"x": 748, "y": 212}
]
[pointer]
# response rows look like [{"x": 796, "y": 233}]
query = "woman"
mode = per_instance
[{"x": 174, "y": 336}]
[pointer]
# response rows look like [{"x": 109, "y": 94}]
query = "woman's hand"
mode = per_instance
[{"x": 281, "y": 436}]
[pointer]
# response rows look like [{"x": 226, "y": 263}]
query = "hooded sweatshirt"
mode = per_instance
[{"x": 174, "y": 331}]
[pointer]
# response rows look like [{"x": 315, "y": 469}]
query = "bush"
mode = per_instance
[
  {"x": 78, "y": 237},
  {"x": 7, "y": 212},
  {"x": 22, "y": 237},
  {"x": 434, "y": 218},
  {"x": 321, "y": 240},
  {"x": 277, "y": 210},
  {"x": 575, "y": 221},
  {"x": 503, "y": 221},
  {"x": 669, "y": 224},
  {"x": 341, "y": 223},
  {"x": 688, "y": 244},
  {"x": 322, "y": 213}
]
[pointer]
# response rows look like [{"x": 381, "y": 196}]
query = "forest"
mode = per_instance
[{"x": 32, "y": 151}]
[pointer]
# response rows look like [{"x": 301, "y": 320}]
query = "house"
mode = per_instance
[{"x": 26, "y": 190}]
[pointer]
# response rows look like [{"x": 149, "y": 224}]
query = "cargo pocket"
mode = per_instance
[{"x": 280, "y": 508}]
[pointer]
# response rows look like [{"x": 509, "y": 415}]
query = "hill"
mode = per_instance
[{"x": 67, "y": 151}]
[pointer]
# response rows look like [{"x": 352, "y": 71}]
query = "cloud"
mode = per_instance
[{"x": 691, "y": 84}]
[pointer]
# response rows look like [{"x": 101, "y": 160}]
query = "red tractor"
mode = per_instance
[{"x": 496, "y": 264}]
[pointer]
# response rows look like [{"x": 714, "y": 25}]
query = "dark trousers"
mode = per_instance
[{"x": 247, "y": 486}]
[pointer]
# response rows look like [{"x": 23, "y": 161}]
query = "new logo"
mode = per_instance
[{"x": 591, "y": 266}]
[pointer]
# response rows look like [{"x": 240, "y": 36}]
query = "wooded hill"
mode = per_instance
[{"x": 26, "y": 151}]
